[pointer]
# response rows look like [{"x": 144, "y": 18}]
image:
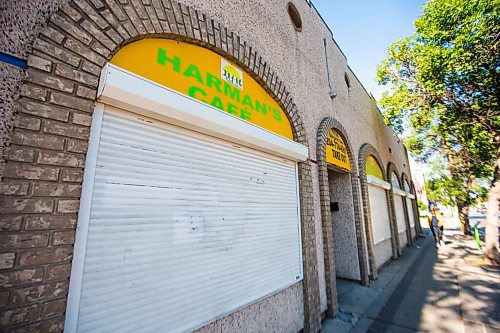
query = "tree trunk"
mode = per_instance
[
  {"x": 491, "y": 229},
  {"x": 463, "y": 215}
]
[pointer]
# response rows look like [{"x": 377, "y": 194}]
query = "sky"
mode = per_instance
[{"x": 364, "y": 29}]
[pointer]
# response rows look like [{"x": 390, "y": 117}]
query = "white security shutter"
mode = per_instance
[
  {"x": 409, "y": 205},
  {"x": 183, "y": 229},
  {"x": 380, "y": 223},
  {"x": 400, "y": 217}
]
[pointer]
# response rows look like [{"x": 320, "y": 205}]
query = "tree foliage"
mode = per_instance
[
  {"x": 445, "y": 87},
  {"x": 447, "y": 191},
  {"x": 422, "y": 206}
]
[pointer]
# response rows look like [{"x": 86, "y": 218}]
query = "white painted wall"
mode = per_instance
[{"x": 380, "y": 224}]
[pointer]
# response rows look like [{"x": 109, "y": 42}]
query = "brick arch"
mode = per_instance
[
  {"x": 416, "y": 210},
  {"x": 365, "y": 151},
  {"x": 44, "y": 169},
  {"x": 412, "y": 187},
  {"x": 391, "y": 170},
  {"x": 404, "y": 178},
  {"x": 326, "y": 125}
]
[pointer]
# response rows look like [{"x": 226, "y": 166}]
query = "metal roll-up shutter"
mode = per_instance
[
  {"x": 409, "y": 206},
  {"x": 400, "y": 218},
  {"x": 380, "y": 224},
  {"x": 183, "y": 228}
]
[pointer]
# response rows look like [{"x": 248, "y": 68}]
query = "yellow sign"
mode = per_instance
[
  {"x": 373, "y": 168},
  {"x": 205, "y": 76},
  {"x": 336, "y": 151}
]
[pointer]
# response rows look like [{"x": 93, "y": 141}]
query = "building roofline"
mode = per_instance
[{"x": 311, "y": 4}]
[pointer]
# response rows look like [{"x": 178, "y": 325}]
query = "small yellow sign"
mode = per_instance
[
  {"x": 373, "y": 168},
  {"x": 336, "y": 151},
  {"x": 231, "y": 74},
  {"x": 205, "y": 76}
]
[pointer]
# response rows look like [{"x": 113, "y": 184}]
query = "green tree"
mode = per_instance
[
  {"x": 444, "y": 90},
  {"x": 491, "y": 241},
  {"x": 422, "y": 206}
]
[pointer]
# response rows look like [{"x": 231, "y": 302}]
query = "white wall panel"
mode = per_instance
[
  {"x": 183, "y": 228},
  {"x": 400, "y": 217},
  {"x": 380, "y": 223},
  {"x": 409, "y": 206}
]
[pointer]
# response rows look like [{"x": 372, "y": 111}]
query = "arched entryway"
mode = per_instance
[
  {"x": 378, "y": 223},
  {"x": 344, "y": 243},
  {"x": 176, "y": 200},
  {"x": 416, "y": 212},
  {"x": 410, "y": 198},
  {"x": 397, "y": 202}
]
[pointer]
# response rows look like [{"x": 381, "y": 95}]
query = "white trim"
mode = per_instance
[
  {"x": 300, "y": 223},
  {"x": 410, "y": 195},
  {"x": 75, "y": 283},
  {"x": 129, "y": 91},
  {"x": 398, "y": 191},
  {"x": 372, "y": 180},
  {"x": 182, "y": 130}
]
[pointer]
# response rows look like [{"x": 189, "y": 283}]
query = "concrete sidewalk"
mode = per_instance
[{"x": 425, "y": 290}]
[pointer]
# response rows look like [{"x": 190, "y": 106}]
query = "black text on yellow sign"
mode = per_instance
[{"x": 336, "y": 151}]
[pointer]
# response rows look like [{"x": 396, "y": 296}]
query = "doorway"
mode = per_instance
[{"x": 343, "y": 225}]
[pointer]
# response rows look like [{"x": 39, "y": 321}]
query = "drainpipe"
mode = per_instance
[{"x": 331, "y": 92}]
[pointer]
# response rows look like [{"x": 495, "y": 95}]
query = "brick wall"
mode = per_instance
[
  {"x": 326, "y": 125},
  {"x": 11, "y": 78},
  {"x": 365, "y": 151},
  {"x": 404, "y": 178},
  {"x": 43, "y": 173},
  {"x": 416, "y": 210},
  {"x": 396, "y": 244}
]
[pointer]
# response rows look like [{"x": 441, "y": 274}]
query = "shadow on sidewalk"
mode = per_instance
[
  {"x": 403, "y": 308},
  {"x": 440, "y": 294},
  {"x": 427, "y": 289}
]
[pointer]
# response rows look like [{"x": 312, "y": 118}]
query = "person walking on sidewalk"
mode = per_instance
[{"x": 436, "y": 224}]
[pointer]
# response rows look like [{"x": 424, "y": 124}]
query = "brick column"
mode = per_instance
[
  {"x": 396, "y": 245},
  {"x": 365, "y": 151},
  {"x": 326, "y": 125},
  {"x": 404, "y": 180}
]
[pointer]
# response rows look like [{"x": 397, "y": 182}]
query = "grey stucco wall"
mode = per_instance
[
  {"x": 319, "y": 238},
  {"x": 344, "y": 229},
  {"x": 281, "y": 312},
  {"x": 298, "y": 59},
  {"x": 10, "y": 78},
  {"x": 22, "y": 22}
]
